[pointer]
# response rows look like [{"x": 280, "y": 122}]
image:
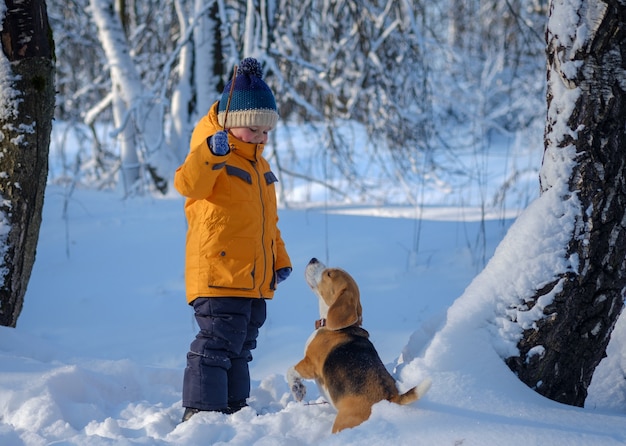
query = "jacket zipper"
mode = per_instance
[{"x": 264, "y": 254}]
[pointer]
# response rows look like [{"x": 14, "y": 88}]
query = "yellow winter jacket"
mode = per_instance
[{"x": 234, "y": 246}]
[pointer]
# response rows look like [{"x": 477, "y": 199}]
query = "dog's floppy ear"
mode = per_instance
[{"x": 345, "y": 311}]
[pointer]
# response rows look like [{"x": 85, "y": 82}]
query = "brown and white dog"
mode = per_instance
[{"x": 339, "y": 355}]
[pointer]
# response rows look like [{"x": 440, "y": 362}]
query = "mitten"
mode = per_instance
[
  {"x": 218, "y": 143},
  {"x": 282, "y": 274}
]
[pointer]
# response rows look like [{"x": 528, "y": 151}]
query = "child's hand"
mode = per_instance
[
  {"x": 218, "y": 143},
  {"x": 282, "y": 274}
]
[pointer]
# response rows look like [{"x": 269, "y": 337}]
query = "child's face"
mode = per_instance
[{"x": 254, "y": 135}]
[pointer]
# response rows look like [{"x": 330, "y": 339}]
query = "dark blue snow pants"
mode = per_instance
[{"x": 217, "y": 375}]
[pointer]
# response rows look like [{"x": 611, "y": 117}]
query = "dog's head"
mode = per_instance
[{"x": 338, "y": 295}]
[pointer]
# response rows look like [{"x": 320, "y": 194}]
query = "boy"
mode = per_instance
[{"x": 235, "y": 255}]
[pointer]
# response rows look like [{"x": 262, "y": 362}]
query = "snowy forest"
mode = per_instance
[
  {"x": 481, "y": 106},
  {"x": 420, "y": 84}
]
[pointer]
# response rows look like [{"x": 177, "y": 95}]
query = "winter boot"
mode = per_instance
[{"x": 189, "y": 412}]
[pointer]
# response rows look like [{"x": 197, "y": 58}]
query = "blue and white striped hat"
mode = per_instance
[{"x": 253, "y": 103}]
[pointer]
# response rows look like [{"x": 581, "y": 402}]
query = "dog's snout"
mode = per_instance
[{"x": 313, "y": 272}]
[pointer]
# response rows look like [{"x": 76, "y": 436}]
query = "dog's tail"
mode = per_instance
[{"x": 414, "y": 394}]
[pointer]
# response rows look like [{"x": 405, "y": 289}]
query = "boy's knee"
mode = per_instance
[{"x": 205, "y": 358}]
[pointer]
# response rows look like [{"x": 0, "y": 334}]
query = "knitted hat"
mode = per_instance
[{"x": 252, "y": 103}]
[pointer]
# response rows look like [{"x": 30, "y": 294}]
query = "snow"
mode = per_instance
[
  {"x": 10, "y": 98},
  {"x": 98, "y": 355},
  {"x": 9, "y": 102},
  {"x": 99, "y": 351}
]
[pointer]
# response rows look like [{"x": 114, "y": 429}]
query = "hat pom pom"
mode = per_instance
[{"x": 250, "y": 66}]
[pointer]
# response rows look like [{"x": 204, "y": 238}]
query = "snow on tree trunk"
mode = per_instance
[
  {"x": 208, "y": 51},
  {"x": 250, "y": 36},
  {"x": 182, "y": 93},
  {"x": 126, "y": 86},
  {"x": 138, "y": 118},
  {"x": 26, "y": 112},
  {"x": 256, "y": 36},
  {"x": 585, "y": 138}
]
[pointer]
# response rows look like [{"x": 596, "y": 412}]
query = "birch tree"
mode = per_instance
[
  {"x": 208, "y": 60},
  {"x": 26, "y": 111},
  {"x": 585, "y": 137},
  {"x": 199, "y": 70},
  {"x": 182, "y": 92},
  {"x": 138, "y": 117}
]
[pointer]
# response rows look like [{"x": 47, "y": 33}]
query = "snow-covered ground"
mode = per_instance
[
  {"x": 99, "y": 351},
  {"x": 98, "y": 355}
]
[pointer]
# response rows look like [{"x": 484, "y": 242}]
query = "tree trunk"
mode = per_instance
[
  {"x": 139, "y": 119},
  {"x": 26, "y": 112},
  {"x": 182, "y": 100},
  {"x": 586, "y": 61},
  {"x": 208, "y": 57}
]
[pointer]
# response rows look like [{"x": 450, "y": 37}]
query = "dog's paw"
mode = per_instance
[{"x": 297, "y": 387}]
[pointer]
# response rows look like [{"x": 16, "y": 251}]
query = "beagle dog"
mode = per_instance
[{"x": 339, "y": 355}]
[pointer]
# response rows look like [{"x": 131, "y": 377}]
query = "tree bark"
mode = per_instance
[
  {"x": 209, "y": 60},
  {"x": 559, "y": 355},
  {"x": 27, "y": 71}
]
